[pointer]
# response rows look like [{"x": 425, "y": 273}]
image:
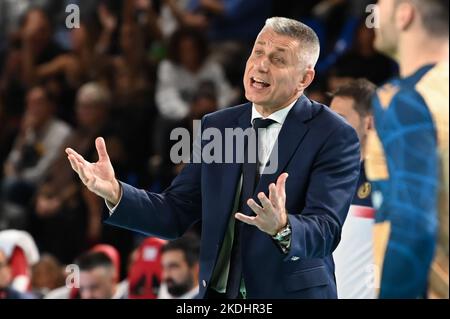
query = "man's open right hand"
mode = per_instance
[{"x": 98, "y": 177}]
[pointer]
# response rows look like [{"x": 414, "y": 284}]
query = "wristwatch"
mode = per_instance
[{"x": 283, "y": 234}]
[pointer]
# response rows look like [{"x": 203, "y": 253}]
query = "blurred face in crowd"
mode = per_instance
[
  {"x": 39, "y": 108},
  {"x": 189, "y": 55},
  {"x": 89, "y": 113},
  {"x": 5, "y": 271},
  {"x": 386, "y": 36},
  {"x": 97, "y": 283},
  {"x": 344, "y": 106},
  {"x": 47, "y": 273},
  {"x": 178, "y": 276},
  {"x": 274, "y": 75}
]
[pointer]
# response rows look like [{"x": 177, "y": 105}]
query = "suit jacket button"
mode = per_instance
[
  {"x": 204, "y": 283},
  {"x": 294, "y": 258}
]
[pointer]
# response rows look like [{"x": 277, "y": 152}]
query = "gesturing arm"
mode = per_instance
[{"x": 165, "y": 215}]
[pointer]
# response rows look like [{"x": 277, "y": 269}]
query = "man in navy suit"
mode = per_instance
[{"x": 262, "y": 237}]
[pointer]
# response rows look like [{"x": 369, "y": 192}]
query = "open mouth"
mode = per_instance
[{"x": 258, "y": 83}]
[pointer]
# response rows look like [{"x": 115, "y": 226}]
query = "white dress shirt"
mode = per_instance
[{"x": 268, "y": 137}]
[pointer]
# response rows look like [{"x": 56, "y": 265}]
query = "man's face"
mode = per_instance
[
  {"x": 386, "y": 36},
  {"x": 97, "y": 283},
  {"x": 344, "y": 107},
  {"x": 273, "y": 71},
  {"x": 177, "y": 275},
  {"x": 5, "y": 271}
]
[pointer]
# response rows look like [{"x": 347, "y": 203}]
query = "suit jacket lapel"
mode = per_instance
[
  {"x": 292, "y": 132},
  {"x": 231, "y": 172}
]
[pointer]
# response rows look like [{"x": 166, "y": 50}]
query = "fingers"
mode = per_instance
[
  {"x": 281, "y": 183},
  {"x": 265, "y": 202},
  {"x": 101, "y": 149},
  {"x": 255, "y": 207},
  {"x": 250, "y": 220},
  {"x": 80, "y": 168},
  {"x": 77, "y": 156},
  {"x": 273, "y": 195},
  {"x": 82, "y": 173},
  {"x": 86, "y": 176},
  {"x": 73, "y": 162}
]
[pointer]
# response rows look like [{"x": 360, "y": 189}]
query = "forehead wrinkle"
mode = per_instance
[{"x": 276, "y": 46}]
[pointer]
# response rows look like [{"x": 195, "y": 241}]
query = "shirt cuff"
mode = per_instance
[{"x": 112, "y": 208}]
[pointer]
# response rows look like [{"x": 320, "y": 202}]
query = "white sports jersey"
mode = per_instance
[{"x": 353, "y": 258}]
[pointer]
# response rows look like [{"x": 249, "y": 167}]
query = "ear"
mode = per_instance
[
  {"x": 404, "y": 16},
  {"x": 307, "y": 79}
]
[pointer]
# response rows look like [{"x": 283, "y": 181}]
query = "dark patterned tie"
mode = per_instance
[{"x": 249, "y": 178}]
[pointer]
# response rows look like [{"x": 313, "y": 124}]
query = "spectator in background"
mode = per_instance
[
  {"x": 133, "y": 92},
  {"x": 231, "y": 27},
  {"x": 67, "y": 72},
  {"x": 353, "y": 257},
  {"x": 178, "y": 80},
  {"x": 35, "y": 148},
  {"x": 64, "y": 211},
  {"x": 31, "y": 46},
  {"x": 47, "y": 274},
  {"x": 180, "y": 75},
  {"x": 36, "y": 42},
  {"x": 362, "y": 60},
  {"x": 10, "y": 13},
  {"x": 21, "y": 253},
  {"x": 132, "y": 82},
  {"x": 132, "y": 72},
  {"x": 353, "y": 102},
  {"x": 234, "y": 20},
  {"x": 98, "y": 277},
  {"x": 180, "y": 267},
  {"x": 74, "y": 65},
  {"x": 6, "y": 291}
]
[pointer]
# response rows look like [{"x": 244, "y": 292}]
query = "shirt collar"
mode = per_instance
[{"x": 278, "y": 116}]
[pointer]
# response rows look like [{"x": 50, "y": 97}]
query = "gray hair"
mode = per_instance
[
  {"x": 94, "y": 93},
  {"x": 307, "y": 38}
]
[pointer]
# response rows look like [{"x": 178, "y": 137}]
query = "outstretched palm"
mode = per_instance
[{"x": 98, "y": 177}]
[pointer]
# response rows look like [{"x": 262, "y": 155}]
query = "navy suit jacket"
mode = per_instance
[{"x": 318, "y": 149}]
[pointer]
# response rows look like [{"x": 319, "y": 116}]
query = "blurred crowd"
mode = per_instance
[{"x": 131, "y": 72}]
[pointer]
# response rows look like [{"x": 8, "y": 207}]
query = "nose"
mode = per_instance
[{"x": 263, "y": 65}]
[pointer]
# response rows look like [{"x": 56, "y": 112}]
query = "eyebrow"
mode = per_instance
[{"x": 277, "y": 48}]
